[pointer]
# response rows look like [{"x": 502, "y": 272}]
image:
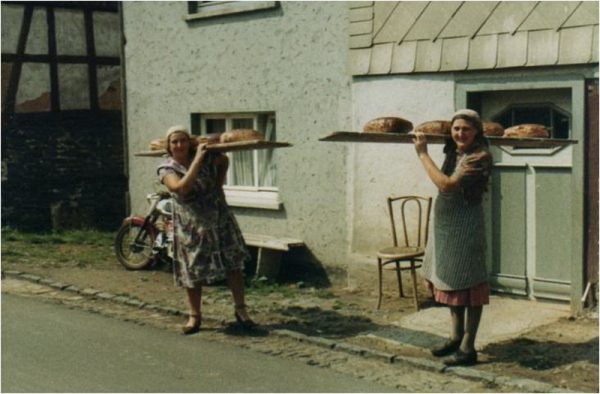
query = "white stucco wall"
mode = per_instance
[
  {"x": 380, "y": 170},
  {"x": 292, "y": 61}
]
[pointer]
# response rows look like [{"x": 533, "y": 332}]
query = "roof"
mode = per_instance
[{"x": 438, "y": 36}]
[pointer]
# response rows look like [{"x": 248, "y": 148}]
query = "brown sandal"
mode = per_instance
[{"x": 187, "y": 330}]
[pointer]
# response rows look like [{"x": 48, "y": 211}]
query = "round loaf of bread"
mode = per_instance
[
  {"x": 493, "y": 129},
  {"x": 161, "y": 143},
  {"x": 237, "y": 135},
  {"x": 387, "y": 124},
  {"x": 434, "y": 127},
  {"x": 527, "y": 131},
  {"x": 158, "y": 144},
  {"x": 213, "y": 138}
]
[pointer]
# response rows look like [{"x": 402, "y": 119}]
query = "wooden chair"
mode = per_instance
[{"x": 406, "y": 255}]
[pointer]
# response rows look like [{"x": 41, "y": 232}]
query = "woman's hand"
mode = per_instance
[
  {"x": 474, "y": 164},
  {"x": 420, "y": 144},
  {"x": 200, "y": 151}
]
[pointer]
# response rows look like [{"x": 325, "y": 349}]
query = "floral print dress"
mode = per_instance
[{"x": 207, "y": 239}]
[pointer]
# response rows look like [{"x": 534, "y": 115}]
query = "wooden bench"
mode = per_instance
[{"x": 270, "y": 250}]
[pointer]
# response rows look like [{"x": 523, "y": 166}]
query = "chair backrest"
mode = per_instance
[{"x": 410, "y": 211}]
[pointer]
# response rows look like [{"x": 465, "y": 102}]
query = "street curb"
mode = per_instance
[{"x": 523, "y": 384}]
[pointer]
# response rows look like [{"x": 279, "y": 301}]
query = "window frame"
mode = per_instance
[
  {"x": 265, "y": 197},
  {"x": 210, "y": 9},
  {"x": 545, "y": 105}
]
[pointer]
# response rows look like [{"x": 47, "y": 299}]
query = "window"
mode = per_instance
[
  {"x": 251, "y": 179},
  {"x": 549, "y": 115},
  {"x": 209, "y": 9}
]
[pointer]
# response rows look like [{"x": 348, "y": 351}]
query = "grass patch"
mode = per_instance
[
  {"x": 60, "y": 249},
  {"x": 260, "y": 287}
]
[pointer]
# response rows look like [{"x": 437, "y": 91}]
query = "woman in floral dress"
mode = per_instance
[{"x": 208, "y": 244}]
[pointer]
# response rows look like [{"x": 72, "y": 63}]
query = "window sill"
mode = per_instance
[
  {"x": 236, "y": 7},
  {"x": 252, "y": 199}
]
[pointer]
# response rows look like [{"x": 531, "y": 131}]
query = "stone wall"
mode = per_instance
[{"x": 63, "y": 170}]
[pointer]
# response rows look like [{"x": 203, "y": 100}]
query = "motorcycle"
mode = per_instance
[{"x": 144, "y": 241}]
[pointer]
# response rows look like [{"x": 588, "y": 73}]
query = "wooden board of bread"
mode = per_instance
[
  {"x": 224, "y": 147},
  {"x": 352, "y": 136},
  {"x": 228, "y": 141}
]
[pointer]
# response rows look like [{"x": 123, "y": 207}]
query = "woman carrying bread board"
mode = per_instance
[
  {"x": 454, "y": 263},
  {"x": 208, "y": 243}
]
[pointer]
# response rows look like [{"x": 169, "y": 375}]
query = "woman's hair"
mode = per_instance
[
  {"x": 472, "y": 188},
  {"x": 450, "y": 148}
]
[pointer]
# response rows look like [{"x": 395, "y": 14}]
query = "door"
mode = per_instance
[{"x": 529, "y": 214}]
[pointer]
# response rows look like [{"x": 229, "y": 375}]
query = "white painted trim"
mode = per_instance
[
  {"x": 234, "y": 7},
  {"x": 262, "y": 199},
  {"x": 530, "y": 227},
  {"x": 530, "y": 152}
]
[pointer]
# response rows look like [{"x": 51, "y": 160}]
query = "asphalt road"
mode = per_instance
[{"x": 50, "y": 348}]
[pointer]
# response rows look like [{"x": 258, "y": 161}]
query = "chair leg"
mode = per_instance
[
  {"x": 413, "y": 274},
  {"x": 399, "y": 276},
  {"x": 380, "y": 276}
]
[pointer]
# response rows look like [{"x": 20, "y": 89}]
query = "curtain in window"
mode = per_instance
[
  {"x": 242, "y": 162},
  {"x": 266, "y": 171}
]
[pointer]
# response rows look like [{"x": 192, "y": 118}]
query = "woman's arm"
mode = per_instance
[
  {"x": 443, "y": 182},
  {"x": 183, "y": 185}
]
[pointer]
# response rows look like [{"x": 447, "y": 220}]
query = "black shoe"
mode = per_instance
[
  {"x": 447, "y": 348},
  {"x": 247, "y": 324},
  {"x": 461, "y": 358}
]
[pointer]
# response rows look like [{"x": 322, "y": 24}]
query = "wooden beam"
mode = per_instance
[
  {"x": 91, "y": 54},
  {"x": 107, "y": 6},
  {"x": 54, "y": 85},
  {"x": 70, "y": 59},
  {"x": 15, "y": 76}
]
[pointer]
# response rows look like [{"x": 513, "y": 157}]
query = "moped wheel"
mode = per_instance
[{"x": 131, "y": 254}]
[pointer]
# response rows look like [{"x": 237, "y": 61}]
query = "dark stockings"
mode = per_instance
[{"x": 467, "y": 332}]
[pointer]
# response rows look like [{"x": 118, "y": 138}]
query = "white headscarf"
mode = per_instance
[
  {"x": 467, "y": 112},
  {"x": 177, "y": 129}
]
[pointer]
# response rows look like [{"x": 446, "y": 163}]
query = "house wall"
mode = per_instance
[
  {"x": 380, "y": 170},
  {"x": 291, "y": 60},
  {"x": 547, "y": 232}
]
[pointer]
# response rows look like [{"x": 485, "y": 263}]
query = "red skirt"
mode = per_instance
[{"x": 474, "y": 296}]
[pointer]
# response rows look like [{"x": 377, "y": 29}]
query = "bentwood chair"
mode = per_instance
[{"x": 408, "y": 251}]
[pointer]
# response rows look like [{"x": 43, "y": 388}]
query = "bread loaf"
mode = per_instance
[
  {"x": 527, "y": 131},
  {"x": 387, "y": 125},
  {"x": 213, "y": 138},
  {"x": 434, "y": 127},
  {"x": 493, "y": 129},
  {"x": 161, "y": 143},
  {"x": 158, "y": 144},
  {"x": 237, "y": 135}
]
